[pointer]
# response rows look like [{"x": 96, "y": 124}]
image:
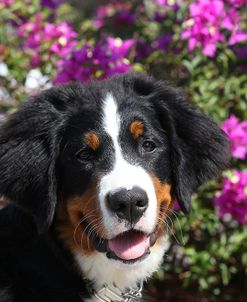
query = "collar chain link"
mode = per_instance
[{"x": 106, "y": 294}]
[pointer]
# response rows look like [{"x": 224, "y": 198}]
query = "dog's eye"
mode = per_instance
[
  {"x": 148, "y": 146},
  {"x": 84, "y": 155}
]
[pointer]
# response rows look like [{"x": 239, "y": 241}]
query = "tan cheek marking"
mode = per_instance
[
  {"x": 164, "y": 200},
  {"x": 92, "y": 140},
  {"x": 71, "y": 212},
  {"x": 136, "y": 129}
]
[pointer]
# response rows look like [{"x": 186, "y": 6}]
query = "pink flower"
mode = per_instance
[
  {"x": 59, "y": 38},
  {"x": 237, "y": 37},
  {"x": 237, "y": 133},
  {"x": 32, "y": 32},
  {"x": 203, "y": 27},
  {"x": 63, "y": 38},
  {"x": 206, "y": 25},
  {"x": 233, "y": 197}
]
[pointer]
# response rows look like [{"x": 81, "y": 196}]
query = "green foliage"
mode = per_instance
[
  {"x": 212, "y": 252},
  {"x": 207, "y": 253}
]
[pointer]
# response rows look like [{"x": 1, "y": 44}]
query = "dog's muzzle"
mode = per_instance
[{"x": 129, "y": 205}]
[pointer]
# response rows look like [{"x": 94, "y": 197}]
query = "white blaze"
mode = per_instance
[{"x": 123, "y": 175}]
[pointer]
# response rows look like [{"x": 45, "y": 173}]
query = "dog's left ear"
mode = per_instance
[
  {"x": 199, "y": 148},
  {"x": 28, "y": 145}
]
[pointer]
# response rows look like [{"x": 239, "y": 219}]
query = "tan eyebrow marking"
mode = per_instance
[
  {"x": 136, "y": 128},
  {"x": 92, "y": 140}
]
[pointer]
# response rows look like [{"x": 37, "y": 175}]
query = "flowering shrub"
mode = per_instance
[
  {"x": 199, "y": 45},
  {"x": 237, "y": 133},
  {"x": 233, "y": 197},
  {"x": 207, "y": 21},
  {"x": 58, "y": 39},
  {"x": 106, "y": 58}
]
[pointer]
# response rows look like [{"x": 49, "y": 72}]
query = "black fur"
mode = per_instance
[{"x": 38, "y": 144}]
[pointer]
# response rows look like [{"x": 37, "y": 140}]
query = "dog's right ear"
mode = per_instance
[{"x": 28, "y": 145}]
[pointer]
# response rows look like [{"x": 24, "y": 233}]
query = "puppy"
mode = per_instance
[{"x": 91, "y": 172}]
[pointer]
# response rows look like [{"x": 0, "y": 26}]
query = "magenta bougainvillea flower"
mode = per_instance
[
  {"x": 60, "y": 37},
  {"x": 203, "y": 27},
  {"x": 106, "y": 58},
  {"x": 233, "y": 197},
  {"x": 237, "y": 133},
  {"x": 237, "y": 37},
  {"x": 207, "y": 21}
]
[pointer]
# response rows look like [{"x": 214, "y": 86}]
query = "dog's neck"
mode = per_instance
[{"x": 106, "y": 275}]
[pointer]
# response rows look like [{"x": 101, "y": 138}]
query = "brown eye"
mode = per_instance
[{"x": 148, "y": 146}]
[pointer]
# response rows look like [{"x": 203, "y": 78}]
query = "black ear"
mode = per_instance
[
  {"x": 28, "y": 145},
  {"x": 199, "y": 148}
]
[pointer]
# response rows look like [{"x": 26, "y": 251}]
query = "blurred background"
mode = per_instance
[{"x": 200, "y": 45}]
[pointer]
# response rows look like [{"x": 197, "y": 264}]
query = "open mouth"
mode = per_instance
[{"x": 128, "y": 247}]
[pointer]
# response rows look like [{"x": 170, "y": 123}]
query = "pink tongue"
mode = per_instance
[{"x": 130, "y": 245}]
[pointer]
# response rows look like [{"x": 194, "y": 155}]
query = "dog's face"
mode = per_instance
[
  {"x": 108, "y": 159},
  {"x": 114, "y": 189}
]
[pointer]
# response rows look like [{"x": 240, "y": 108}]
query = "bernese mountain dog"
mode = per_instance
[{"x": 90, "y": 173}]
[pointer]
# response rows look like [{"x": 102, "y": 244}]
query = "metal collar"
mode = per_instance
[{"x": 114, "y": 294}]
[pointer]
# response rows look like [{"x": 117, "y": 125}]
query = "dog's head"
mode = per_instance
[{"x": 108, "y": 158}]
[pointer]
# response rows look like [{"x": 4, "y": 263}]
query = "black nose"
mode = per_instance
[{"x": 128, "y": 204}]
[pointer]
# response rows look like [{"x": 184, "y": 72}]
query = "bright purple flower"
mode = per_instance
[
  {"x": 233, "y": 197},
  {"x": 77, "y": 67},
  {"x": 106, "y": 58},
  {"x": 241, "y": 52},
  {"x": 52, "y": 4},
  {"x": 163, "y": 42},
  {"x": 237, "y": 133},
  {"x": 143, "y": 50},
  {"x": 125, "y": 17},
  {"x": 121, "y": 47}
]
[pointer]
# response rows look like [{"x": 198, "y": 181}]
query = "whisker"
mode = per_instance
[
  {"x": 169, "y": 229},
  {"x": 179, "y": 224},
  {"x": 80, "y": 222},
  {"x": 88, "y": 226}
]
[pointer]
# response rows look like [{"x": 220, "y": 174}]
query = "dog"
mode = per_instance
[{"x": 90, "y": 173}]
